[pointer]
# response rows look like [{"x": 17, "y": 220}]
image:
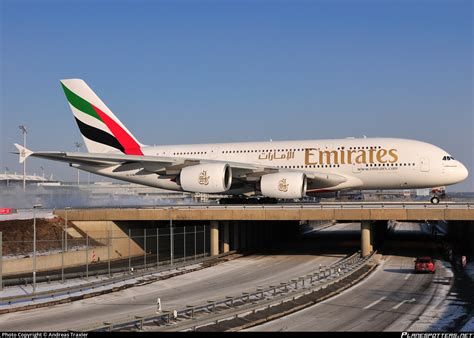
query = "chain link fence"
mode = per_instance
[{"x": 75, "y": 253}]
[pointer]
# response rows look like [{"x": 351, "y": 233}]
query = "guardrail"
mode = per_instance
[
  {"x": 328, "y": 273},
  {"x": 68, "y": 291},
  {"x": 325, "y": 205}
]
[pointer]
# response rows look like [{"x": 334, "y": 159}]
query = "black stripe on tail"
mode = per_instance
[{"x": 99, "y": 136}]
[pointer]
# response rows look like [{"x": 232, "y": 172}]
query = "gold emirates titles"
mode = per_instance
[{"x": 343, "y": 156}]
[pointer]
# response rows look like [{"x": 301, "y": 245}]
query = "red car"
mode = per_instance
[{"x": 425, "y": 264}]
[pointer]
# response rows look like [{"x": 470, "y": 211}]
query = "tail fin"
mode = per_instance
[
  {"x": 101, "y": 129},
  {"x": 23, "y": 152}
]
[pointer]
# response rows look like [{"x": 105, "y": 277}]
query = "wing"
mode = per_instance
[{"x": 243, "y": 172}]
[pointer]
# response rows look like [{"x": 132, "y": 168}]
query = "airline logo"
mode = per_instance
[
  {"x": 98, "y": 126},
  {"x": 349, "y": 156},
  {"x": 203, "y": 178},
  {"x": 282, "y": 185}
]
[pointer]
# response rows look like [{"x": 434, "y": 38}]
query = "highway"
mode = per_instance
[
  {"x": 229, "y": 278},
  {"x": 391, "y": 299}
]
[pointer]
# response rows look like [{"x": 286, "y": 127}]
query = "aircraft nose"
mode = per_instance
[{"x": 462, "y": 172}]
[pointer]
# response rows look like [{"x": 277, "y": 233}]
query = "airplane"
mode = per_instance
[{"x": 276, "y": 169}]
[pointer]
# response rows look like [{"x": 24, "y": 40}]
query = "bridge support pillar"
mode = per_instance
[
  {"x": 226, "y": 241},
  {"x": 366, "y": 246},
  {"x": 236, "y": 243},
  {"x": 214, "y": 238}
]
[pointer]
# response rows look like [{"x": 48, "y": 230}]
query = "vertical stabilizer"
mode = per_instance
[{"x": 101, "y": 129}]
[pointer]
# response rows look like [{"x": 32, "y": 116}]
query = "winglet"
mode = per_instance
[{"x": 24, "y": 153}]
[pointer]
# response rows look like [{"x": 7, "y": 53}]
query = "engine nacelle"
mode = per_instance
[
  {"x": 207, "y": 178},
  {"x": 284, "y": 185}
]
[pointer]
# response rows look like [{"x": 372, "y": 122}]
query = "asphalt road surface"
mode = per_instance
[
  {"x": 229, "y": 278},
  {"x": 392, "y": 298}
]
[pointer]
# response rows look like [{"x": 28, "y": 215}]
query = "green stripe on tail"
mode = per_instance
[{"x": 79, "y": 103}]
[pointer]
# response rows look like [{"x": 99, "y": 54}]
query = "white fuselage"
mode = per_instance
[{"x": 368, "y": 163}]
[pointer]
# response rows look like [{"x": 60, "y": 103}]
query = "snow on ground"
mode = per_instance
[
  {"x": 441, "y": 316},
  {"x": 21, "y": 290},
  {"x": 434, "y": 318},
  {"x": 469, "y": 326}
]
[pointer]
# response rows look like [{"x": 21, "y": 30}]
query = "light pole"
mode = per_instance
[
  {"x": 42, "y": 170},
  {"x": 171, "y": 239},
  {"x": 23, "y": 130},
  {"x": 65, "y": 228},
  {"x": 36, "y": 206},
  {"x": 78, "y": 146},
  {"x": 62, "y": 257}
]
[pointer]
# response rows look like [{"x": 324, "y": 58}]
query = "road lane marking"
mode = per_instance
[
  {"x": 403, "y": 302},
  {"x": 407, "y": 276},
  {"x": 376, "y": 302}
]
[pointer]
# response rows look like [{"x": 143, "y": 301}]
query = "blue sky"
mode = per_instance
[{"x": 223, "y": 71}]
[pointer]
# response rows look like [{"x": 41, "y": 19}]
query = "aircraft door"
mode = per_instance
[{"x": 424, "y": 164}]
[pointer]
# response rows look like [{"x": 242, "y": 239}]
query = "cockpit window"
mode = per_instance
[{"x": 448, "y": 158}]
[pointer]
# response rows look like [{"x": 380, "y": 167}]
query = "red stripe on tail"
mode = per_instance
[{"x": 131, "y": 147}]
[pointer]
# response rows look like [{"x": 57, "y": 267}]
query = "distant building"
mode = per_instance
[{"x": 7, "y": 179}]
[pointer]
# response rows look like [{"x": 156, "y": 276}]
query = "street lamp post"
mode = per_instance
[
  {"x": 78, "y": 146},
  {"x": 171, "y": 239},
  {"x": 36, "y": 206},
  {"x": 62, "y": 256},
  {"x": 23, "y": 130},
  {"x": 65, "y": 228}
]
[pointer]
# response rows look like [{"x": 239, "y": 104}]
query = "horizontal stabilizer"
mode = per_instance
[{"x": 24, "y": 153}]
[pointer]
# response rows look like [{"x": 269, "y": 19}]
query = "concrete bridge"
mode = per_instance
[{"x": 238, "y": 225}]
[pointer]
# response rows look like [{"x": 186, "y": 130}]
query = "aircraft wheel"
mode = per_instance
[{"x": 434, "y": 200}]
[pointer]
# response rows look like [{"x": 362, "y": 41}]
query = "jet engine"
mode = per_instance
[
  {"x": 207, "y": 178},
  {"x": 284, "y": 185}
]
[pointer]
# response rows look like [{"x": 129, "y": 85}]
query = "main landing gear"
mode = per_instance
[{"x": 434, "y": 200}]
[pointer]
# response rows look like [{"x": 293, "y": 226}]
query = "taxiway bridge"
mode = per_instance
[{"x": 239, "y": 227}]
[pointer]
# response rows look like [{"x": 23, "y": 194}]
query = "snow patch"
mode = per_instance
[{"x": 444, "y": 310}]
